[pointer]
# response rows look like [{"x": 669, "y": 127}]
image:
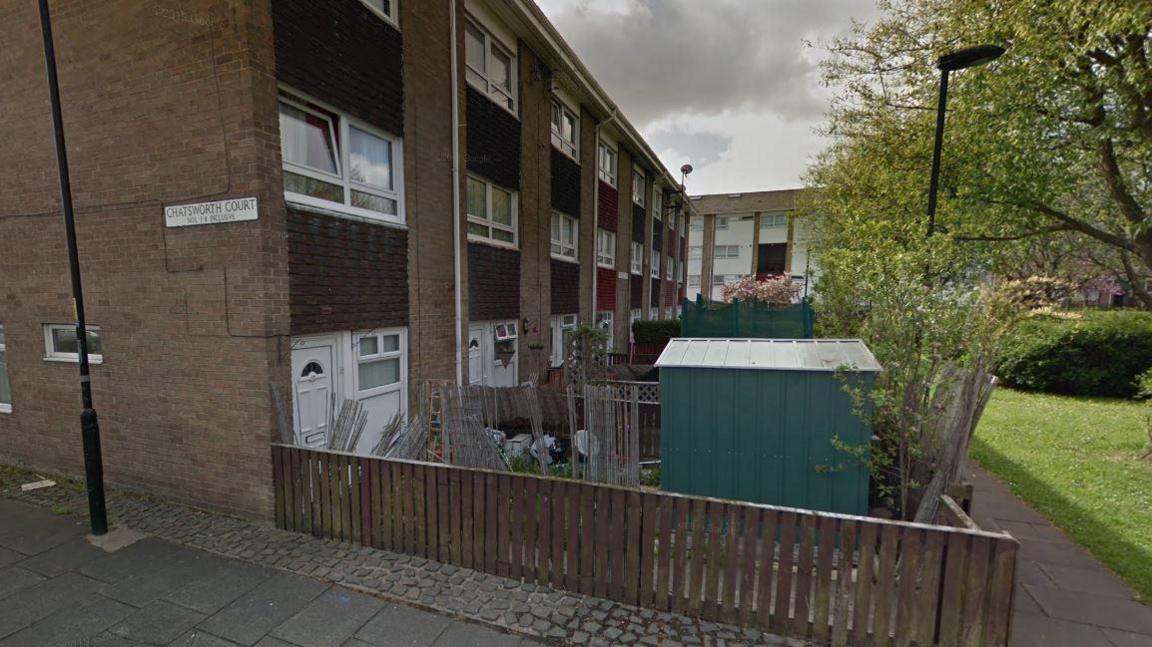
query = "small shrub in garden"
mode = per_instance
[
  {"x": 655, "y": 332},
  {"x": 1101, "y": 354}
]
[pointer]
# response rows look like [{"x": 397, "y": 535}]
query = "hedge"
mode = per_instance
[
  {"x": 655, "y": 332},
  {"x": 1098, "y": 354}
]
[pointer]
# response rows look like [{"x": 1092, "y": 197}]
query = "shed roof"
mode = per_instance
[{"x": 769, "y": 354}]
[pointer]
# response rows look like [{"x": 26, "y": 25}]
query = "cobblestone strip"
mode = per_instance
[{"x": 557, "y": 616}]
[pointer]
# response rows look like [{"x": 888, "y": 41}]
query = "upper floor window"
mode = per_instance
[
  {"x": 638, "y": 187},
  {"x": 607, "y": 163},
  {"x": 332, "y": 161},
  {"x": 670, "y": 268},
  {"x": 490, "y": 68},
  {"x": 564, "y": 236},
  {"x": 491, "y": 212},
  {"x": 693, "y": 280},
  {"x": 657, "y": 205},
  {"x": 697, "y": 225},
  {"x": 565, "y": 130},
  {"x": 695, "y": 251},
  {"x": 386, "y": 9},
  {"x": 5, "y": 386},
  {"x": 605, "y": 248},
  {"x": 61, "y": 343},
  {"x": 722, "y": 223},
  {"x": 637, "y": 258},
  {"x": 770, "y": 220},
  {"x": 654, "y": 268},
  {"x": 727, "y": 251}
]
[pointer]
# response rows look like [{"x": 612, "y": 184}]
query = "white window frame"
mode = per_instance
[
  {"x": 637, "y": 258},
  {"x": 670, "y": 268},
  {"x": 5, "y": 407},
  {"x": 604, "y": 321},
  {"x": 693, "y": 280},
  {"x": 52, "y": 355},
  {"x": 391, "y": 16},
  {"x": 654, "y": 268},
  {"x": 488, "y": 222},
  {"x": 669, "y": 312},
  {"x": 695, "y": 251},
  {"x": 722, "y": 222},
  {"x": 605, "y": 248},
  {"x": 342, "y": 130},
  {"x": 485, "y": 84},
  {"x": 608, "y": 157},
  {"x": 400, "y": 353},
  {"x": 657, "y": 205},
  {"x": 569, "y": 148},
  {"x": 729, "y": 252},
  {"x": 653, "y": 313},
  {"x": 696, "y": 225},
  {"x": 773, "y": 220},
  {"x": 560, "y": 325},
  {"x": 638, "y": 187},
  {"x": 562, "y": 249}
]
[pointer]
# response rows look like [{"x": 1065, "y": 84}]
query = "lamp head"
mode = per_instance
[{"x": 969, "y": 57}]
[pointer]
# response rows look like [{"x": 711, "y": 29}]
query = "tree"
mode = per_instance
[
  {"x": 779, "y": 291},
  {"x": 1053, "y": 139}
]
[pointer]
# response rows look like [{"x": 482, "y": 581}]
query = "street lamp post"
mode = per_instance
[
  {"x": 958, "y": 60},
  {"x": 89, "y": 427}
]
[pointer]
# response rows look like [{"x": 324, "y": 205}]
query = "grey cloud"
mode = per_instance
[
  {"x": 701, "y": 148},
  {"x": 663, "y": 57}
]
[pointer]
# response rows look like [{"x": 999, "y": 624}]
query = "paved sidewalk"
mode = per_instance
[
  {"x": 539, "y": 612},
  {"x": 57, "y": 589},
  {"x": 1064, "y": 595}
]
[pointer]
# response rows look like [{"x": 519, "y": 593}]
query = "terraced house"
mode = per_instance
[{"x": 284, "y": 204}]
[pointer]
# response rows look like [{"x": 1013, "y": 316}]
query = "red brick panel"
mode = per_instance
[
  {"x": 344, "y": 274},
  {"x": 565, "y": 288},
  {"x": 493, "y": 283},
  {"x": 669, "y": 293},
  {"x": 605, "y": 289},
  {"x": 609, "y": 206}
]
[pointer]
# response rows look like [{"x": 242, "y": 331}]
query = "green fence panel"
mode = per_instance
[{"x": 751, "y": 320}]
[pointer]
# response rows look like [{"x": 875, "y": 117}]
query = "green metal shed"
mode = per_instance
[{"x": 755, "y": 420}]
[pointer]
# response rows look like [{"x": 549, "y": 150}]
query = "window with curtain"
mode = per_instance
[
  {"x": 605, "y": 248},
  {"x": 491, "y": 213},
  {"x": 564, "y": 236},
  {"x": 489, "y": 67}
]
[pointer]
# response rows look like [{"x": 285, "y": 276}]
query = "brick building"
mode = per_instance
[{"x": 440, "y": 189}]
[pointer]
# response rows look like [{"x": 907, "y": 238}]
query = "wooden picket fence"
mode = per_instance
[{"x": 829, "y": 578}]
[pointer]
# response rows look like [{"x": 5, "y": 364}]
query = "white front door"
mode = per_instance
[
  {"x": 492, "y": 349},
  {"x": 476, "y": 354},
  {"x": 313, "y": 377},
  {"x": 381, "y": 368}
]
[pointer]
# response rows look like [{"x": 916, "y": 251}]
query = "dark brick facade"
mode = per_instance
[
  {"x": 565, "y": 184},
  {"x": 657, "y": 237},
  {"x": 609, "y": 199},
  {"x": 638, "y": 227},
  {"x": 342, "y": 53},
  {"x": 344, "y": 274},
  {"x": 493, "y": 141},
  {"x": 565, "y": 288},
  {"x": 493, "y": 283},
  {"x": 605, "y": 289},
  {"x": 655, "y": 292},
  {"x": 637, "y": 288}
]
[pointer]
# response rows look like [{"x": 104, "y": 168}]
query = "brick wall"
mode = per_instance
[
  {"x": 493, "y": 138},
  {"x": 609, "y": 206},
  {"x": 588, "y": 217},
  {"x": 535, "y": 216},
  {"x": 605, "y": 289},
  {"x": 565, "y": 289},
  {"x": 164, "y": 104},
  {"x": 345, "y": 274},
  {"x": 565, "y": 184},
  {"x": 639, "y": 220},
  {"x": 493, "y": 283},
  {"x": 636, "y": 286},
  {"x": 655, "y": 293},
  {"x": 623, "y": 247},
  {"x": 342, "y": 53}
]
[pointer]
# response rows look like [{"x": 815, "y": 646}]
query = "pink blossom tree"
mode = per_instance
[{"x": 780, "y": 290}]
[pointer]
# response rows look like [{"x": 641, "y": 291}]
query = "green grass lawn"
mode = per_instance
[{"x": 1077, "y": 461}]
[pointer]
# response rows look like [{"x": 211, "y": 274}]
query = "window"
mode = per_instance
[
  {"x": 62, "y": 345},
  {"x": 657, "y": 205},
  {"x": 697, "y": 225},
  {"x": 638, "y": 258},
  {"x": 770, "y": 220},
  {"x": 719, "y": 279},
  {"x": 491, "y": 213},
  {"x": 604, "y": 323},
  {"x": 565, "y": 129},
  {"x": 386, "y": 9},
  {"x": 634, "y": 316},
  {"x": 564, "y": 236},
  {"x": 638, "y": 186},
  {"x": 654, "y": 313},
  {"x": 722, "y": 223},
  {"x": 670, "y": 268},
  {"x": 605, "y": 248},
  {"x": 331, "y": 161},
  {"x": 490, "y": 68},
  {"x": 379, "y": 362},
  {"x": 654, "y": 270},
  {"x": 607, "y": 163},
  {"x": 669, "y": 313},
  {"x": 560, "y": 325},
  {"x": 727, "y": 251},
  {"x": 694, "y": 280},
  {"x": 695, "y": 251},
  {"x": 5, "y": 386}
]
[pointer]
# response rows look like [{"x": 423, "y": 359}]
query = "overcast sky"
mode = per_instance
[{"x": 730, "y": 86}]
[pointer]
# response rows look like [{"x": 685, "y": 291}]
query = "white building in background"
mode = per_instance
[{"x": 741, "y": 234}]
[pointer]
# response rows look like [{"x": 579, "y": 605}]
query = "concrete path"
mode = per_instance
[
  {"x": 1064, "y": 595},
  {"x": 57, "y": 589}
]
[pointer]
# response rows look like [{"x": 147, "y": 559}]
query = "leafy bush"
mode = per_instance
[
  {"x": 655, "y": 332},
  {"x": 1144, "y": 387},
  {"x": 1098, "y": 354}
]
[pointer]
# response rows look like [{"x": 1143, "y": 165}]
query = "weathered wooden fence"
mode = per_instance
[{"x": 830, "y": 578}]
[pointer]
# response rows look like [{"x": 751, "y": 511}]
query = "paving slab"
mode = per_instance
[
  {"x": 399, "y": 626},
  {"x": 1110, "y": 612},
  {"x": 462, "y": 635},
  {"x": 1033, "y": 531},
  {"x": 24, "y": 532},
  {"x": 16, "y": 579},
  {"x": 70, "y": 626},
  {"x": 254, "y": 614},
  {"x": 330, "y": 619},
  {"x": 1038, "y": 630},
  {"x": 181, "y": 567},
  {"x": 1086, "y": 580},
  {"x": 43, "y": 599},
  {"x": 1127, "y": 639},
  {"x": 1047, "y": 552},
  {"x": 222, "y": 586},
  {"x": 197, "y": 637},
  {"x": 66, "y": 557},
  {"x": 158, "y": 623},
  {"x": 139, "y": 559},
  {"x": 9, "y": 557}
]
